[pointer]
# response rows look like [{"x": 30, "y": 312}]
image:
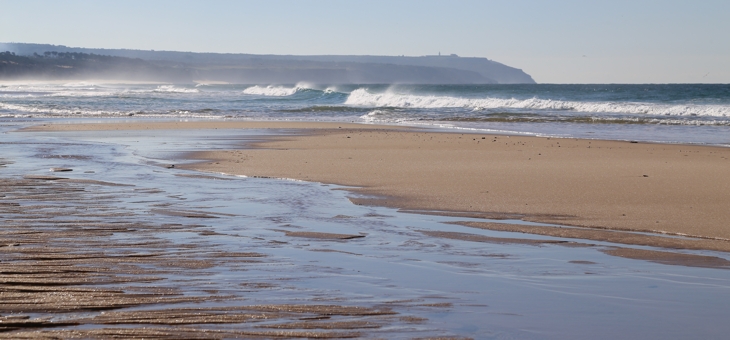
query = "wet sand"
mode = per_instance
[
  {"x": 100, "y": 259},
  {"x": 621, "y": 237},
  {"x": 71, "y": 257},
  {"x": 616, "y": 185},
  {"x": 174, "y": 125}
]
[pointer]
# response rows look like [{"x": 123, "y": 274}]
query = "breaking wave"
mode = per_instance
[
  {"x": 361, "y": 97},
  {"x": 272, "y": 91},
  {"x": 51, "y": 111},
  {"x": 283, "y": 91},
  {"x": 173, "y": 89},
  {"x": 327, "y": 108},
  {"x": 66, "y": 90},
  {"x": 40, "y": 111},
  {"x": 591, "y": 120}
]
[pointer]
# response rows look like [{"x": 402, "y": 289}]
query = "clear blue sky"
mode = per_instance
[{"x": 559, "y": 41}]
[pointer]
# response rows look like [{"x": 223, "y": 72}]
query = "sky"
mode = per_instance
[{"x": 557, "y": 41}]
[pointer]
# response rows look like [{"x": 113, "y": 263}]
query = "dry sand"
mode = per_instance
[{"x": 676, "y": 189}]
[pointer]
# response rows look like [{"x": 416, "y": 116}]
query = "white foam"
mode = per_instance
[
  {"x": 80, "y": 85},
  {"x": 361, "y": 97},
  {"x": 271, "y": 91},
  {"x": 82, "y": 93},
  {"x": 65, "y": 90},
  {"x": 173, "y": 89},
  {"x": 379, "y": 116},
  {"x": 59, "y": 112},
  {"x": 39, "y": 111}
]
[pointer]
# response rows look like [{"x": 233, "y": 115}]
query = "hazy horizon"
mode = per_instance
[{"x": 556, "y": 42}]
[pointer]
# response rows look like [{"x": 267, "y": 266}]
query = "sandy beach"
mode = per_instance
[
  {"x": 115, "y": 241},
  {"x": 617, "y": 185}
]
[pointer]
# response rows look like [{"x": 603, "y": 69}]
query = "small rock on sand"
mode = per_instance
[
  {"x": 323, "y": 236},
  {"x": 43, "y": 177},
  {"x": 61, "y": 169}
]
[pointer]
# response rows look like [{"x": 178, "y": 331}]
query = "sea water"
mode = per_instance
[{"x": 671, "y": 113}]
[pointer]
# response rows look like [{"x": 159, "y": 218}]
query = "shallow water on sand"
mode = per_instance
[{"x": 461, "y": 288}]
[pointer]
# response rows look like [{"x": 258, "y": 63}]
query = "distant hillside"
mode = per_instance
[
  {"x": 499, "y": 73},
  {"x": 76, "y": 65},
  {"x": 265, "y": 69}
]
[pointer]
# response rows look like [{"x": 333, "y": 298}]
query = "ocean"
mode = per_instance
[{"x": 671, "y": 113}]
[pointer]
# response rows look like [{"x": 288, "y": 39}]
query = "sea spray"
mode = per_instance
[
  {"x": 686, "y": 113},
  {"x": 361, "y": 97},
  {"x": 271, "y": 91},
  {"x": 174, "y": 89}
]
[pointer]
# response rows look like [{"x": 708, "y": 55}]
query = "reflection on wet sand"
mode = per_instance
[
  {"x": 603, "y": 235},
  {"x": 664, "y": 257},
  {"x": 70, "y": 258},
  {"x": 124, "y": 246},
  {"x": 671, "y": 258}
]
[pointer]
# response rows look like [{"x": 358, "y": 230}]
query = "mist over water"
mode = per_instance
[{"x": 683, "y": 113}]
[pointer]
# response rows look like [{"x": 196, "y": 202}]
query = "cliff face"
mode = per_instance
[{"x": 249, "y": 68}]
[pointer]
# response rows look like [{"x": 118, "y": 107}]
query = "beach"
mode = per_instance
[
  {"x": 616, "y": 185},
  {"x": 233, "y": 228}
]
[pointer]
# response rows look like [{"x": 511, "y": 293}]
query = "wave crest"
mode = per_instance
[
  {"x": 30, "y": 111},
  {"x": 361, "y": 97},
  {"x": 173, "y": 89},
  {"x": 272, "y": 91}
]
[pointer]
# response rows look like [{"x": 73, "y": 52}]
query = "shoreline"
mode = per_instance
[
  {"x": 201, "y": 125},
  {"x": 597, "y": 184},
  {"x": 127, "y": 245},
  {"x": 113, "y": 270}
]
